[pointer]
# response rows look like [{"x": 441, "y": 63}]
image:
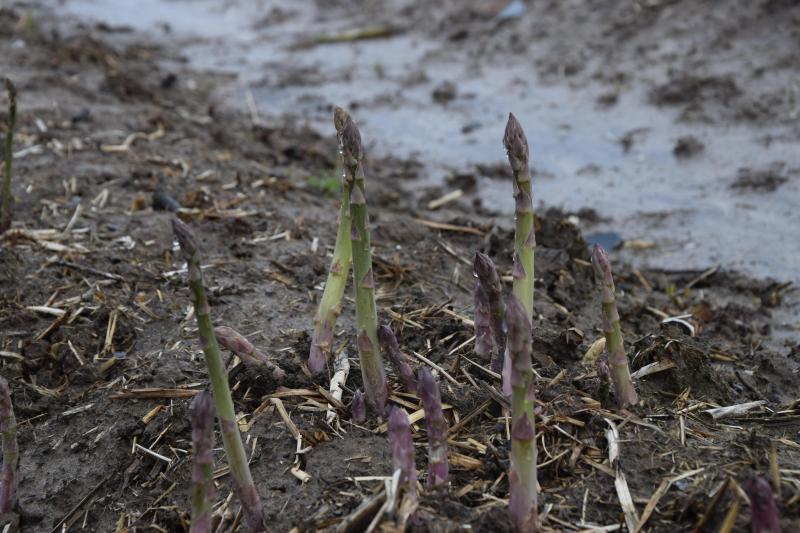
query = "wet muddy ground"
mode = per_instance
[{"x": 101, "y": 351}]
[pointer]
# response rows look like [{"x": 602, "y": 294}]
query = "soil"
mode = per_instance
[{"x": 100, "y": 347}]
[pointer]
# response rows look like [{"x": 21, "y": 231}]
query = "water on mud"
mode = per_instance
[{"x": 619, "y": 161}]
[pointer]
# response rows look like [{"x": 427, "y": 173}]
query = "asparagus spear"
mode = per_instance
[
  {"x": 618, "y": 361},
  {"x": 484, "y": 342},
  {"x": 203, "y": 470},
  {"x": 331, "y": 303},
  {"x": 5, "y": 217},
  {"x": 8, "y": 433},
  {"x": 372, "y": 371},
  {"x": 489, "y": 283},
  {"x": 516, "y": 145},
  {"x": 437, "y": 428},
  {"x": 232, "y": 441},
  {"x": 763, "y": 511},
  {"x": 402, "y": 449},
  {"x": 522, "y": 475},
  {"x": 358, "y": 410},
  {"x": 389, "y": 344},
  {"x": 232, "y": 340}
]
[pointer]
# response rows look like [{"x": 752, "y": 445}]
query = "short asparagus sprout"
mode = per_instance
[
  {"x": 484, "y": 343},
  {"x": 252, "y": 508},
  {"x": 203, "y": 469},
  {"x": 488, "y": 287},
  {"x": 8, "y": 434},
  {"x": 402, "y": 449},
  {"x": 358, "y": 410},
  {"x": 399, "y": 362},
  {"x": 5, "y": 216},
  {"x": 438, "y": 469},
  {"x": 522, "y": 475},
  {"x": 232, "y": 340},
  {"x": 330, "y": 305},
  {"x": 372, "y": 371},
  {"x": 763, "y": 510},
  {"x": 617, "y": 360}
]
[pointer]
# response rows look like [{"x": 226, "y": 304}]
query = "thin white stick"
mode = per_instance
[{"x": 341, "y": 370}]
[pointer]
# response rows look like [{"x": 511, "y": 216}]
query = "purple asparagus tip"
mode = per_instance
[
  {"x": 438, "y": 469},
  {"x": 402, "y": 449},
  {"x": 351, "y": 144},
  {"x": 185, "y": 237},
  {"x": 340, "y": 118},
  {"x": 516, "y": 144},
  {"x": 763, "y": 509},
  {"x": 358, "y": 410},
  {"x": 232, "y": 340},
  {"x": 600, "y": 263},
  {"x": 389, "y": 344},
  {"x": 484, "y": 266}
]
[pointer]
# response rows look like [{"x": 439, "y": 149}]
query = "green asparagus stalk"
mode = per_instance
[
  {"x": 618, "y": 361},
  {"x": 522, "y": 475},
  {"x": 8, "y": 433},
  {"x": 232, "y": 441},
  {"x": 331, "y": 304},
  {"x": 372, "y": 371},
  {"x": 5, "y": 217},
  {"x": 516, "y": 145},
  {"x": 203, "y": 469}
]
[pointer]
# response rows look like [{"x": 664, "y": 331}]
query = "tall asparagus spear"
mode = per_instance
[
  {"x": 372, "y": 370},
  {"x": 516, "y": 145},
  {"x": 203, "y": 469},
  {"x": 331, "y": 303},
  {"x": 5, "y": 217},
  {"x": 489, "y": 285},
  {"x": 617, "y": 360},
  {"x": 232, "y": 441},
  {"x": 437, "y": 428},
  {"x": 8, "y": 434},
  {"x": 522, "y": 475}
]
